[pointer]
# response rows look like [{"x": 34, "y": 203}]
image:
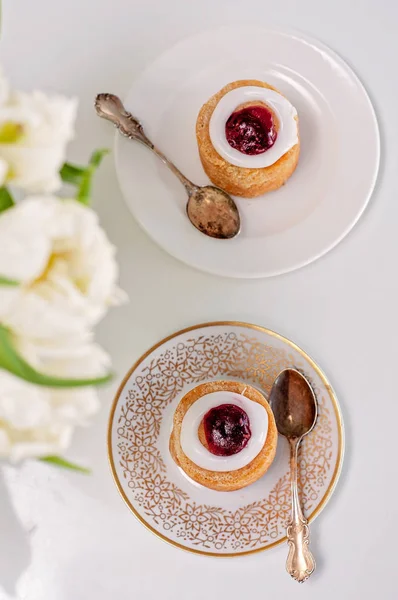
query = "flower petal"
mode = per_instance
[
  {"x": 26, "y": 243},
  {"x": 70, "y": 274}
]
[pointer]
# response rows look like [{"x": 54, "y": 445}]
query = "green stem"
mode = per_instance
[
  {"x": 58, "y": 461},
  {"x": 6, "y": 199},
  {"x": 72, "y": 173},
  {"x": 84, "y": 192},
  {"x": 9, "y": 282},
  {"x": 82, "y": 177},
  {"x": 12, "y": 362}
]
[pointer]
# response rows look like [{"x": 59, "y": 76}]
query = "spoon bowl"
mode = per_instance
[
  {"x": 294, "y": 404},
  {"x": 213, "y": 212}
]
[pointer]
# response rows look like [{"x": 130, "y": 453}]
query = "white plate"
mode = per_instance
[
  {"x": 282, "y": 230},
  {"x": 163, "y": 498}
]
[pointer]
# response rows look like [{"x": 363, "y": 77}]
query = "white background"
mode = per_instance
[{"x": 69, "y": 537}]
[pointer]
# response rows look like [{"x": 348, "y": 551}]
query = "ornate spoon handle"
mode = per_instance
[
  {"x": 300, "y": 562},
  {"x": 110, "y": 107}
]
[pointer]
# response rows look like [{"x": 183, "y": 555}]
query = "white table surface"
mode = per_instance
[{"x": 69, "y": 537}]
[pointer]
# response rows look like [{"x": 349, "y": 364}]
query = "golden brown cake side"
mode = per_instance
[
  {"x": 228, "y": 480},
  {"x": 240, "y": 181}
]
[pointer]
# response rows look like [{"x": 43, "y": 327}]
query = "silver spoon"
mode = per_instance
[
  {"x": 295, "y": 409},
  {"x": 209, "y": 209}
]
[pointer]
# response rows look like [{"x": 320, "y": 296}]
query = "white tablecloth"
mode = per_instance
[{"x": 69, "y": 537}]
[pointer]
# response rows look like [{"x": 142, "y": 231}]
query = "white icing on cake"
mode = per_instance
[
  {"x": 195, "y": 450},
  {"x": 287, "y": 134}
]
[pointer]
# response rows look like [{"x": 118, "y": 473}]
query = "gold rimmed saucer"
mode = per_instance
[{"x": 157, "y": 491}]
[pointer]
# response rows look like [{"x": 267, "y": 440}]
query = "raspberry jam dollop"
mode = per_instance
[
  {"x": 227, "y": 429},
  {"x": 251, "y": 130}
]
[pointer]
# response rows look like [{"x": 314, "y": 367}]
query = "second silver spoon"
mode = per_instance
[
  {"x": 295, "y": 408},
  {"x": 209, "y": 209}
]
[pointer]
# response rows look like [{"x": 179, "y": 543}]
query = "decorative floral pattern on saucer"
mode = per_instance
[{"x": 159, "y": 493}]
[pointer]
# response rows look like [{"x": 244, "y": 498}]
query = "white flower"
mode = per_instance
[
  {"x": 38, "y": 421},
  {"x": 66, "y": 266},
  {"x": 40, "y": 127}
]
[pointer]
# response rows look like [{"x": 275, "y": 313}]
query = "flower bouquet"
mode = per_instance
[{"x": 58, "y": 277}]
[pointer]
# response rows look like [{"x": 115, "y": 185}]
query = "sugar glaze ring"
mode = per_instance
[
  {"x": 194, "y": 449},
  {"x": 287, "y": 134}
]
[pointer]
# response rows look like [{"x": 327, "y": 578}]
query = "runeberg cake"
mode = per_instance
[
  {"x": 224, "y": 435},
  {"x": 248, "y": 138}
]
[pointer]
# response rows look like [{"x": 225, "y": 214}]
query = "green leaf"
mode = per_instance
[
  {"x": 72, "y": 173},
  {"x": 84, "y": 192},
  {"x": 10, "y": 282},
  {"x": 6, "y": 200},
  {"x": 11, "y": 132},
  {"x": 58, "y": 461},
  {"x": 97, "y": 156},
  {"x": 11, "y": 361}
]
